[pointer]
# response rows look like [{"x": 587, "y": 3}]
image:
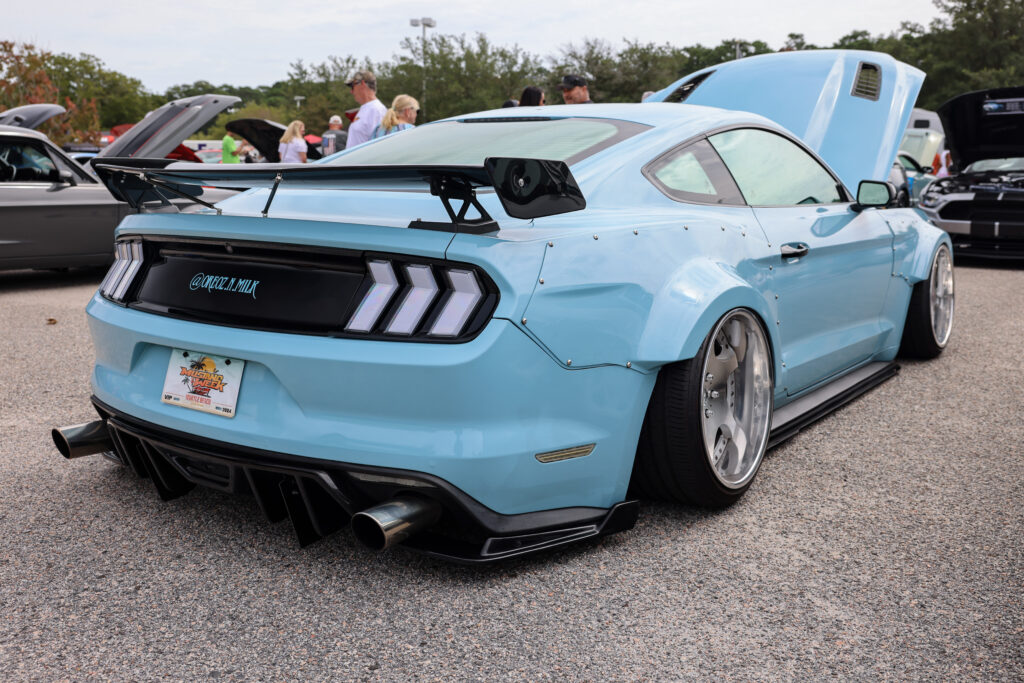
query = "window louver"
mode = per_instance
[
  {"x": 868, "y": 83},
  {"x": 686, "y": 89}
]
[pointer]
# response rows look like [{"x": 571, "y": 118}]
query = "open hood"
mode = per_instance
[
  {"x": 30, "y": 115},
  {"x": 165, "y": 128},
  {"x": 265, "y": 136},
  {"x": 987, "y": 124},
  {"x": 849, "y": 106}
]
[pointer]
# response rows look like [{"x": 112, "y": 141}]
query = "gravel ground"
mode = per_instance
[{"x": 883, "y": 542}]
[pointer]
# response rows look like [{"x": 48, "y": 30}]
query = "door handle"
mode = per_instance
[{"x": 794, "y": 250}]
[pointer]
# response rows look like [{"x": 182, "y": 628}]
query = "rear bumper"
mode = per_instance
[
  {"x": 319, "y": 497},
  {"x": 474, "y": 414}
]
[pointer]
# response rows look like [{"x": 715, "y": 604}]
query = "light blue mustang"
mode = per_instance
[{"x": 484, "y": 336}]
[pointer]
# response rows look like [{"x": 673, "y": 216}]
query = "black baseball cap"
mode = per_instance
[{"x": 570, "y": 81}]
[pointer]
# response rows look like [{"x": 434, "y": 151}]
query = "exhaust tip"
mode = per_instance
[
  {"x": 390, "y": 523},
  {"x": 61, "y": 443},
  {"x": 84, "y": 439},
  {"x": 368, "y": 531}
]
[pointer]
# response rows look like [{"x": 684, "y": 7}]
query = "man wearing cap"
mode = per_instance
[
  {"x": 364, "y": 89},
  {"x": 333, "y": 139},
  {"x": 574, "y": 89}
]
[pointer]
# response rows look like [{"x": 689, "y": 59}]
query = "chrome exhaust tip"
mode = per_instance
[
  {"x": 84, "y": 439},
  {"x": 390, "y": 523}
]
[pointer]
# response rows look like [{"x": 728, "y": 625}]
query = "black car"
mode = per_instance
[{"x": 981, "y": 205}]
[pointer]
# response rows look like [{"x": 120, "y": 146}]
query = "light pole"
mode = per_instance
[{"x": 425, "y": 22}]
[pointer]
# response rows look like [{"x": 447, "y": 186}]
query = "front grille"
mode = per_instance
[
  {"x": 986, "y": 210},
  {"x": 308, "y": 290}
]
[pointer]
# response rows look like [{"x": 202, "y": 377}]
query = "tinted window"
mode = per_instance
[
  {"x": 772, "y": 171},
  {"x": 695, "y": 174},
  {"x": 470, "y": 142},
  {"x": 24, "y": 162}
]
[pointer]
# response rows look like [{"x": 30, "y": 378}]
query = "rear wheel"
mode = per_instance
[
  {"x": 930, "y": 314},
  {"x": 706, "y": 428}
]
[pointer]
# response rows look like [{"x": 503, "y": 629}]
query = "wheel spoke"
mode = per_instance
[
  {"x": 721, "y": 366},
  {"x": 738, "y": 340}
]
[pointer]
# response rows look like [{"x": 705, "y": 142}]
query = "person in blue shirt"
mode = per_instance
[{"x": 401, "y": 116}]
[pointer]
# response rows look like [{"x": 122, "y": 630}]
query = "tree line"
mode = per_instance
[{"x": 975, "y": 44}]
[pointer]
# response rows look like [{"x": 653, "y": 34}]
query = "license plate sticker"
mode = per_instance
[{"x": 203, "y": 381}]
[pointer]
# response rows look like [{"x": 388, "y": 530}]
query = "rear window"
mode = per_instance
[{"x": 470, "y": 142}]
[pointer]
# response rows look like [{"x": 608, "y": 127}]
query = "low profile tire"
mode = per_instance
[
  {"x": 930, "y": 314},
  {"x": 706, "y": 428}
]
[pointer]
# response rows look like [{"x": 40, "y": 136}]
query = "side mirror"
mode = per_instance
[
  {"x": 873, "y": 193},
  {"x": 927, "y": 169},
  {"x": 67, "y": 177}
]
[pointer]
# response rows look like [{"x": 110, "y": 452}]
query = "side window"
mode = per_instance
[
  {"x": 23, "y": 162},
  {"x": 694, "y": 174},
  {"x": 772, "y": 171}
]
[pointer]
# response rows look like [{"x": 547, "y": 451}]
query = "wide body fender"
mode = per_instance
[
  {"x": 692, "y": 301},
  {"x": 649, "y": 295},
  {"x": 915, "y": 241}
]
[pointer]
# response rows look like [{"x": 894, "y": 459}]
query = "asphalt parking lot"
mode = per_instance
[{"x": 883, "y": 542}]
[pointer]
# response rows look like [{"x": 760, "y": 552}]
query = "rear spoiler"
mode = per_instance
[{"x": 527, "y": 188}]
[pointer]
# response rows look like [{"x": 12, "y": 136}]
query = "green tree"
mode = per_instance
[
  {"x": 25, "y": 79},
  {"x": 121, "y": 99}
]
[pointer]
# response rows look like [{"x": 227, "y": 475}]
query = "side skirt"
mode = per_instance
[{"x": 788, "y": 420}]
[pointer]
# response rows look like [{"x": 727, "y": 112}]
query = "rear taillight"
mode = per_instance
[
  {"x": 126, "y": 266},
  {"x": 416, "y": 299}
]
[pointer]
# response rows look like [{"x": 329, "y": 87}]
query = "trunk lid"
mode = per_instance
[
  {"x": 30, "y": 115},
  {"x": 163, "y": 129}
]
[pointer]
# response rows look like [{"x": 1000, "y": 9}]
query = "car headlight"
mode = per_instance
[{"x": 126, "y": 266}]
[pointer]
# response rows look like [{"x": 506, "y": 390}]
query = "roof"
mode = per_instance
[{"x": 679, "y": 121}]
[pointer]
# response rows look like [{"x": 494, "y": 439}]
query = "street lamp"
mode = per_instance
[{"x": 425, "y": 22}]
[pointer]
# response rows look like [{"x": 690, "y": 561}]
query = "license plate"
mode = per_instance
[{"x": 203, "y": 381}]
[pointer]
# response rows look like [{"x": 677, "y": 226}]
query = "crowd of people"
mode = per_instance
[{"x": 373, "y": 120}]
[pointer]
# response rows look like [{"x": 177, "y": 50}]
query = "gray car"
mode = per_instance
[{"x": 54, "y": 213}]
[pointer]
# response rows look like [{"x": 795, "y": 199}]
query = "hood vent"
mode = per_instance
[{"x": 868, "y": 83}]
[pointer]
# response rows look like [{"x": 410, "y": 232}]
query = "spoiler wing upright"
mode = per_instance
[{"x": 527, "y": 188}]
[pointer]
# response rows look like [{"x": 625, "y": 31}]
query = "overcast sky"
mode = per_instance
[{"x": 252, "y": 42}]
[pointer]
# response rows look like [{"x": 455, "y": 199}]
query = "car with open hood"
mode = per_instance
[
  {"x": 489, "y": 335},
  {"x": 54, "y": 213},
  {"x": 265, "y": 135},
  {"x": 981, "y": 205}
]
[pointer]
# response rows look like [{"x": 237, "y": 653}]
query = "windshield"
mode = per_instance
[
  {"x": 468, "y": 143},
  {"x": 1010, "y": 164}
]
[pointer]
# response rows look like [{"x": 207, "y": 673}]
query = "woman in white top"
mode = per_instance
[
  {"x": 293, "y": 146},
  {"x": 401, "y": 116}
]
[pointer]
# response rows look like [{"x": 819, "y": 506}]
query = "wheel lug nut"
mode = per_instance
[
  {"x": 714, "y": 394},
  {"x": 709, "y": 413},
  {"x": 709, "y": 377}
]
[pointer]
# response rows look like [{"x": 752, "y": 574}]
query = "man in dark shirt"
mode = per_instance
[
  {"x": 574, "y": 89},
  {"x": 334, "y": 138}
]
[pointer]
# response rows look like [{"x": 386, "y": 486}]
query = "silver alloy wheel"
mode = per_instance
[
  {"x": 736, "y": 398},
  {"x": 941, "y": 297}
]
